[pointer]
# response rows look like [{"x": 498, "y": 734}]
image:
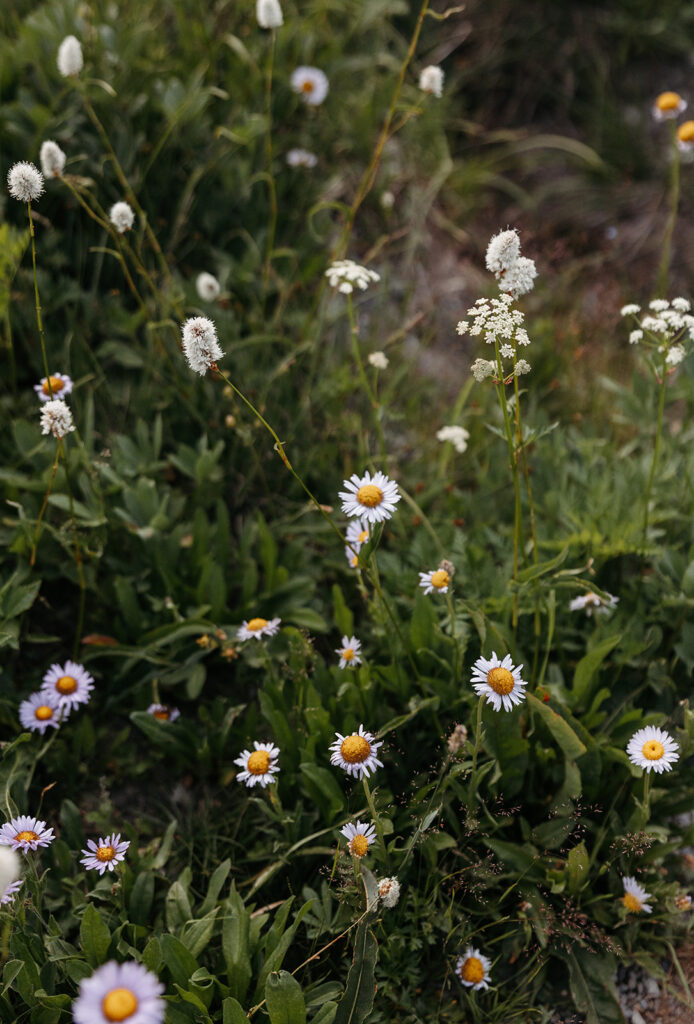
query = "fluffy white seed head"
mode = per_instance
[
  {"x": 52, "y": 159},
  {"x": 56, "y": 419},
  {"x": 122, "y": 217},
  {"x": 70, "y": 59},
  {"x": 200, "y": 344},
  {"x": 207, "y": 286},
  {"x": 268, "y": 13},
  {"x": 25, "y": 182},
  {"x": 503, "y": 251},
  {"x": 431, "y": 80}
]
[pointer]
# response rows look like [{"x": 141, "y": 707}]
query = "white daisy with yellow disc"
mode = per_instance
[
  {"x": 356, "y": 753},
  {"x": 126, "y": 993},
  {"x": 436, "y": 581},
  {"x": 70, "y": 683},
  {"x": 635, "y": 896},
  {"x": 653, "y": 749},
  {"x": 25, "y": 833},
  {"x": 58, "y": 385},
  {"x": 359, "y": 837},
  {"x": 373, "y": 498},
  {"x": 350, "y": 652},
  {"x": 105, "y": 854},
  {"x": 41, "y": 711},
  {"x": 500, "y": 681},
  {"x": 259, "y": 766},
  {"x": 254, "y": 629},
  {"x": 472, "y": 969}
]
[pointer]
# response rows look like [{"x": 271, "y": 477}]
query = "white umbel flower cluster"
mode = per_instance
[
  {"x": 207, "y": 286},
  {"x": 70, "y": 60},
  {"x": 56, "y": 419},
  {"x": 345, "y": 274},
  {"x": 200, "y": 344},
  {"x": 515, "y": 273},
  {"x": 666, "y": 327},
  {"x": 431, "y": 80},
  {"x": 502, "y": 326},
  {"x": 458, "y": 436},
  {"x": 379, "y": 360},
  {"x": 25, "y": 182},
  {"x": 269, "y": 13},
  {"x": 122, "y": 216},
  {"x": 52, "y": 159}
]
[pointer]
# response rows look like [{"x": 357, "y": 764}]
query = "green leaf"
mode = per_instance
[
  {"x": 94, "y": 936},
  {"x": 593, "y": 994},
  {"x": 588, "y": 666},
  {"x": 197, "y": 934},
  {"x": 344, "y": 620},
  {"x": 178, "y": 959},
  {"x": 233, "y": 1012},
  {"x": 358, "y": 1000},
  {"x": 235, "y": 945},
  {"x": 559, "y": 727},
  {"x": 284, "y": 999},
  {"x": 219, "y": 877},
  {"x": 543, "y": 568},
  {"x": 323, "y": 788},
  {"x": 326, "y": 1014},
  {"x": 141, "y": 898},
  {"x": 422, "y": 624},
  {"x": 178, "y": 908},
  {"x": 577, "y": 866},
  {"x": 309, "y": 618}
]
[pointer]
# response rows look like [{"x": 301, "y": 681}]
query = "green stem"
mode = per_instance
[
  {"x": 272, "y": 226},
  {"x": 38, "y": 303},
  {"x": 478, "y": 733},
  {"x": 645, "y": 817},
  {"x": 666, "y": 252},
  {"x": 354, "y": 331},
  {"x": 656, "y": 450},
  {"x": 32, "y": 559},
  {"x": 501, "y": 394},
  {"x": 374, "y": 815},
  {"x": 78, "y": 556},
  {"x": 451, "y": 614}
]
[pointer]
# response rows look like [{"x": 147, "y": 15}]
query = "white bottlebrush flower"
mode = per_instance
[
  {"x": 499, "y": 681},
  {"x": 379, "y": 360},
  {"x": 10, "y": 870},
  {"x": 56, "y": 419},
  {"x": 458, "y": 436},
  {"x": 260, "y": 766},
  {"x": 200, "y": 344},
  {"x": 70, "y": 684},
  {"x": 635, "y": 896},
  {"x": 253, "y": 629},
  {"x": 311, "y": 84},
  {"x": 372, "y": 498},
  {"x": 483, "y": 368},
  {"x": 105, "y": 854},
  {"x": 268, "y": 13},
  {"x": 594, "y": 603},
  {"x": 631, "y": 309},
  {"x": 519, "y": 279},
  {"x": 301, "y": 158},
  {"x": 25, "y": 833},
  {"x": 472, "y": 969},
  {"x": 436, "y": 580},
  {"x": 389, "y": 891},
  {"x": 122, "y": 216},
  {"x": 163, "y": 712},
  {"x": 503, "y": 251},
  {"x": 431, "y": 80},
  {"x": 127, "y": 993},
  {"x": 668, "y": 105},
  {"x": 10, "y": 891},
  {"x": 52, "y": 159},
  {"x": 653, "y": 749},
  {"x": 522, "y": 366},
  {"x": 207, "y": 286},
  {"x": 60, "y": 387},
  {"x": 675, "y": 355},
  {"x": 345, "y": 274},
  {"x": 349, "y": 652},
  {"x": 359, "y": 837},
  {"x": 356, "y": 753},
  {"x": 25, "y": 182},
  {"x": 41, "y": 711},
  {"x": 70, "y": 60}
]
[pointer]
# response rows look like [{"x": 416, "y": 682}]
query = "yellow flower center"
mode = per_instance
[
  {"x": 307, "y": 85},
  {"x": 631, "y": 902},
  {"x": 359, "y": 846},
  {"x": 683, "y": 902},
  {"x": 364, "y": 535},
  {"x": 56, "y": 385},
  {"x": 355, "y": 561},
  {"x": 43, "y": 712},
  {"x": 27, "y": 836},
  {"x": 653, "y": 750},
  {"x": 348, "y": 654},
  {"x": 105, "y": 853},
  {"x": 500, "y": 680},
  {"x": 472, "y": 970},
  {"x": 66, "y": 684},
  {"x": 355, "y": 749},
  {"x": 370, "y": 495},
  {"x": 685, "y": 132},
  {"x": 162, "y": 714},
  {"x": 440, "y": 579},
  {"x": 119, "y": 1004},
  {"x": 668, "y": 101},
  {"x": 258, "y": 762},
  {"x": 255, "y": 624}
]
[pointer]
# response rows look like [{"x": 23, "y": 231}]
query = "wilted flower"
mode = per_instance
[
  {"x": 345, "y": 274},
  {"x": 301, "y": 158},
  {"x": 105, "y": 854},
  {"x": 56, "y": 419},
  {"x": 458, "y": 436},
  {"x": 70, "y": 60},
  {"x": 163, "y": 712},
  {"x": 431, "y": 80},
  {"x": 653, "y": 749},
  {"x": 207, "y": 286},
  {"x": 200, "y": 344},
  {"x": 122, "y": 216},
  {"x": 683, "y": 902},
  {"x": 52, "y": 159},
  {"x": 389, "y": 891},
  {"x": 311, "y": 84},
  {"x": 260, "y": 766},
  {"x": 60, "y": 387},
  {"x": 25, "y": 182},
  {"x": 127, "y": 993},
  {"x": 457, "y": 738},
  {"x": 668, "y": 105},
  {"x": 503, "y": 251},
  {"x": 268, "y": 13},
  {"x": 635, "y": 896},
  {"x": 379, "y": 360}
]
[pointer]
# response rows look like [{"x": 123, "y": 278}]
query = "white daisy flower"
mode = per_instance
[
  {"x": 345, "y": 274},
  {"x": 10, "y": 891},
  {"x": 60, "y": 386},
  {"x": 653, "y": 749},
  {"x": 631, "y": 309},
  {"x": 52, "y": 159},
  {"x": 268, "y": 13},
  {"x": 70, "y": 60},
  {"x": 164, "y": 712},
  {"x": 359, "y": 837},
  {"x": 122, "y": 216},
  {"x": 473, "y": 969},
  {"x": 431, "y": 80},
  {"x": 458, "y": 436},
  {"x": 41, "y": 710},
  {"x": 127, "y": 993},
  {"x": 311, "y": 84},
  {"x": 372, "y": 498},
  {"x": 668, "y": 105},
  {"x": 499, "y": 681},
  {"x": 352, "y": 558},
  {"x": 200, "y": 344},
  {"x": 56, "y": 418},
  {"x": 207, "y": 286},
  {"x": 255, "y": 628},
  {"x": 379, "y": 360},
  {"x": 356, "y": 753},
  {"x": 25, "y": 833},
  {"x": 389, "y": 891},
  {"x": 358, "y": 533},
  {"x": 593, "y": 602},
  {"x": 635, "y": 896},
  {"x": 25, "y": 182},
  {"x": 258, "y": 766},
  {"x": 106, "y": 854},
  {"x": 349, "y": 652},
  {"x": 301, "y": 158},
  {"x": 70, "y": 683},
  {"x": 435, "y": 580},
  {"x": 685, "y": 136}
]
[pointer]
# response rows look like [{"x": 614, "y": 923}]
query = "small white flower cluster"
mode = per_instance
[
  {"x": 200, "y": 344},
  {"x": 458, "y": 436},
  {"x": 379, "y": 360},
  {"x": 122, "y": 216},
  {"x": 501, "y": 325},
  {"x": 56, "y": 419},
  {"x": 298, "y": 157},
  {"x": 515, "y": 273},
  {"x": 431, "y": 80},
  {"x": 664, "y": 327},
  {"x": 345, "y": 274},
  {"x": 52, "y": 159}
]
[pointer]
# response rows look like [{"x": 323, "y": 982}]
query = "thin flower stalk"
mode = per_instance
[
  {"x": 374, "y": 814},
  {"x": 656, "y": 450},
  {"x": 537, "y": 625},
  {"x": 354, "y": 331},
  {"x": 272, "y": 225},
  {"x": 39, "y": 321},
  {"x": 501, "y": 393},
  {"x": 674, "y": 197}
]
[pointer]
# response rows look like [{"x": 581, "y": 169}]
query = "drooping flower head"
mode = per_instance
[
  {"x": 594, "y": 603},
  {"x": 472, "y": 969},
  {"x": 372, "y": 498},
  {"x": 431, "y": 80},
  {"x": 499, "y": 681},
  {"x": 127, "y": 993},
  {"x": 207, "y": 286},
  {"x": 200, "y": 344},
  {"x": 350, "y": 652},
  {"x": 56, "y": 419},
  {"x": 389, "y": 891},
  {"x": 25, "y": 182},
  {"x": 25, "y": 833},
  {"x": 345, "y": 274},
  {"x": 301, "y": 158},
  {"x": 60, "y": 387},
  {"x": 311, "y": 84},
  {"x": 653, "y": 749},
  {"x": 259, "y": 766},
  {"x": 268, "y": 13},
  {"x": 41, "y": 711},
  {"x": 70, "y": 60},
  {"x": 122, "y": 216},
  {"x": 435, "y": 581},
  {"x": 70, "y": 684},
  {"x": 635, "y": 896},
  {"x": 668, "y": 105},
  {"x": 52, "y": 159},
  {"x": 254, "y": 629},
  {"x": 163, "y": 712},
  {"x": 105, "y": 854},
  {"x": 356, "y": 753},
  {"x": 359, "y": 838}
]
